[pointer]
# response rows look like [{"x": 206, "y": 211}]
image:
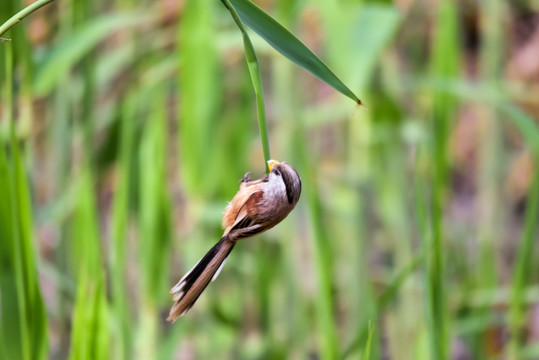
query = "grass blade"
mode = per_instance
[
  {"x": 323, "y": 263},
  {"x": 23, "y": 332},
  {"x": 154, "y": 219},
  {"x": 154, "y": 208},
  {"x": 120, "y": 220},
  {"x": 523, "y": 264},
  {"x": 445, "y": 65},
  {"x": 200, "y": 90},
  {"x": 367, "y": 353},
  {"x": 384, "y": 300},
  {"x": 90, "y": 330},
  {"x": 65, "y": 55},
  {"x": 13, "y": 335},
  {"x": 288, "y": 45}
]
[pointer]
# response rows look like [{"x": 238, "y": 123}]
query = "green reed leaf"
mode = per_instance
[{"x": 288, "y": 45}]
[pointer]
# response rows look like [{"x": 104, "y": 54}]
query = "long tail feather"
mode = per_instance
[{"x": 192, "y": 284}]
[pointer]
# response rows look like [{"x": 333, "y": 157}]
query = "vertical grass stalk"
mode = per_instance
[
  {"x": 256, "y": 78},
  {"x": 200, "y": 92},
  {"x": 492, "y": 213},
  {"x": 445, "y": 60},
  {"x": 90, "y": 329},
  {"x": 154, "y": 226},
  {"x": 23, "y": 333},
  {"x": 323, "y": 266},
  {"x": 327, "y": 331},
  {"x": 120, "y": 219},
  {"x": 522, "y": 268}
]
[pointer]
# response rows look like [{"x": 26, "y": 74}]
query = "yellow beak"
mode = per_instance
[{"x": 272, "y": 163}]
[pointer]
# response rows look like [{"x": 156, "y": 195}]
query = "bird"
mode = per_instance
[{"x": 258, "y": 206}]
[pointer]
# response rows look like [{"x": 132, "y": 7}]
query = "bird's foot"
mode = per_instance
[{"x": 245, "y": 178}]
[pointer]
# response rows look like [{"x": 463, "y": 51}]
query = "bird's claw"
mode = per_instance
[{"x": 245, "y": 178}]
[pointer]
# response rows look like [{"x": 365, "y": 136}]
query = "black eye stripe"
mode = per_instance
[
  {"x": 288, "y": 185},
  {"x": 288, "y": 180}
]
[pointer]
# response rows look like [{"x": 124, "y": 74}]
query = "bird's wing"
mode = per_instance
[
  {"x": 234, "y": 207},
  {"x": 244, "y": 216}
]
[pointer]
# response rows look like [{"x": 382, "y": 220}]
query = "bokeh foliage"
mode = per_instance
[{"x": 126, "y": 124}]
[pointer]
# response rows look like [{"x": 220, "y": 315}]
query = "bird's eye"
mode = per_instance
[{"x": 277, "y": 172}]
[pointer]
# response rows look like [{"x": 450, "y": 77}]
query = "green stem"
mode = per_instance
[
  {"x": 523, "y": 265},
  {"x": 256, "y": 79},
  {"x": 16, "y": 255},
  {"x": 17, "y": 18}
]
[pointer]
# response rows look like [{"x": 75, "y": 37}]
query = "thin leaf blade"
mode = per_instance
[
  {"x": 61, "y": 59},
  {"x": 288, "y": 45}
]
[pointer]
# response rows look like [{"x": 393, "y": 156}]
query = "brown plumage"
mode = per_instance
[{"x": 258, "y": 206}]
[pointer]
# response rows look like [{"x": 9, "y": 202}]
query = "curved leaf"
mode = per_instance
[
  {"x": 65, "y": 55},
  {"x": 287, "y": 44}
]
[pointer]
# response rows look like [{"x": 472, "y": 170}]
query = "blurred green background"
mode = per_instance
[{"x": 126, "y": 124}]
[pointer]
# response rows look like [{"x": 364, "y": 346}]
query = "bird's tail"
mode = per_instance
[{"x": 192, "y": 284}]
